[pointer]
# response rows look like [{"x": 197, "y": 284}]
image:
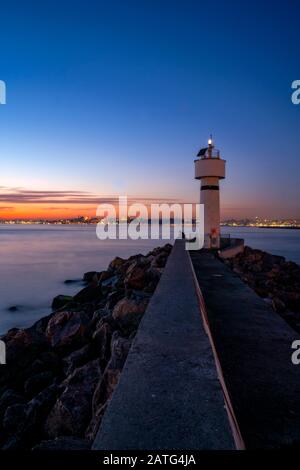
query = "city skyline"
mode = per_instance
[{"x": 117, "y": 99}]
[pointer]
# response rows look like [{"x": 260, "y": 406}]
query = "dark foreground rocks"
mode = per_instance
[
  {"x": 274, "y": 279},
  {"x": 62, "y": 371}
]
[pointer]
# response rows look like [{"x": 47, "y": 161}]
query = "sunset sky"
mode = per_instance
[{"x": 108, "y": 98}]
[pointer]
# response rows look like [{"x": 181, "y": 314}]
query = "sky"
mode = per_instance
[{"x": 114, "y": 98}]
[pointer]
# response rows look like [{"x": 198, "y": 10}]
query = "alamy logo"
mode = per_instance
[
  {"x": 2, "y": 92},
  {"x": 159, "y": 221},
  {"x": 2, "y": 352},
  {"x": 296, "y": 354},
  {"x": 296, "y": 94}
]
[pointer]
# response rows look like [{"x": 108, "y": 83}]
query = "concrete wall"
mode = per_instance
[{"x": 169, "y": 395}]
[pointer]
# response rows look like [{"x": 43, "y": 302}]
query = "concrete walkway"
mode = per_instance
[
  {"x": 169, "y": 396},
  {"x": 254, "y": 348}
]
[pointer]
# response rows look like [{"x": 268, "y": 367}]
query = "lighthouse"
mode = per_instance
[{"x": 210, "y": 168}]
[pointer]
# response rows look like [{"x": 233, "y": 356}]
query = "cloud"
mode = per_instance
[{"x": 25, "y": 196}]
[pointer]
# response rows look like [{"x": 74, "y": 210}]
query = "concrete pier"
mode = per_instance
[
  {"x": 169, "y": 396},
  {"x": 253, "y": 344}
]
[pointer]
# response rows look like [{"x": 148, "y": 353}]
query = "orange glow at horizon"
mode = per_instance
[{"x": 42, "y": 211}]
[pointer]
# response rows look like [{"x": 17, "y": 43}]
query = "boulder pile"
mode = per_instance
[
  {"x": 61, "y": 372},
  {"x": 274, "y": 279}
]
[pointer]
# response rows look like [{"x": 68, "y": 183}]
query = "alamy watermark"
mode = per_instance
[
  {"x": 158, "y": 221},
  {"x": 296, "y": 354},
  {"x": 2, "y": 92},
  {"x": 296, "y": 94},
  {"x": 2, "y": 352}
]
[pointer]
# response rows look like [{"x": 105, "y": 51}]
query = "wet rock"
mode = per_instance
[
  {"x": 160, "y": 260},
  {"x": 127, "y": 307},
  {"x": 61, "y": 301},
  {"x": 22, "y": 422},
  {"x": 64, "y": 443},
  {"x": 13, "y": 443},
  {"x": 94, "y": 425},
  {"x": 66, "y": 329},
  {"x": 46, "y": 361},
  {"x": 14, "y": 419},
  {"x": 91, "y": 276},
  {"x": 106, "y": 386},
  {"x": 72, "y": 281},
  {"x": 116, "y": 263},
  {"x": 13, "y": 308},
  {"x": 101, "y": 342},
  {"x": 91, "y": 293},
  {"x": 98, "y": 315},
  {"x": 278, "y": 305},
  {"x": 136, "y": 277},
  {"x": 114, "y": 297},
  {"x": 17, "y": 342},
  {"x": 37, "y": 383},
  {"x": 111, "y": 281},
  {"x": 76, "y": 359},
  {"x": 8, "y": 398},
  {"x": 271, "y": 277},
  {"x": 72, "y": 411}
]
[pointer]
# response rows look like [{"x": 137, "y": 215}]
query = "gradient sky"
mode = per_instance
[{"x": 108, "y": 98}]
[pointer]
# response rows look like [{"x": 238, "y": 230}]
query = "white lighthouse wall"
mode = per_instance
[
  {"x": 211, "y": 200},
  {"x": 206, "y": 167}
]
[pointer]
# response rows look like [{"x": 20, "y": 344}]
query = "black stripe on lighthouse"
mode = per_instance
[{"x": 210, "y": 186}]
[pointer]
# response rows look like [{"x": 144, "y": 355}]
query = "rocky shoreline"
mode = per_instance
[
  {"x": 61, "y": 372},
  {"x": 274, "y": 279}
]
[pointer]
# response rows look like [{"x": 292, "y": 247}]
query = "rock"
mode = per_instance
[
  {"x": 98, "y": 315},
  {"x": 94, "y": 425},
  {"x": 110, "y": 281},
  {"x": 47, "y": 361},
  {"x": 114, "y": 297},
  {"x": 13, "y": 443},
  {"x": 292, "y": 300},
  {"x": 77, "y": 359},
  {"x": 22, "y": 422},
  {"x": 91, "y": 293},
  {"x": 91, "y": 276},
  {"x": 72, "y": 411},
  {"x": 37, "y": 383},
  {"x": 19, "y": 341},
  {"x": 136, "y": 277},
  {"x": 153, "y": 277},
  {"x": 129, "y": 307},
  {"x": 13, "y": 308},
  {"x": 8, "y": 398},
  {"x": 66, "y": 329},
  {"x": 14, "y": 419},
  {"x": 160, "y": 260},
  {"x": 106, "y": 386},
  {"x": 101, "y": 343},
  {"x": 120, "y": 349},
  {"x": 64, "y": 443},
  {"x": 61, "y": 301},
  {"x": 271, "y": 277},
  {"x": 278, "y": 305},
  {"x": 104, "y": 275},
  {"x": 116, "y": 263},
  {"x": 72, "y": 281}
]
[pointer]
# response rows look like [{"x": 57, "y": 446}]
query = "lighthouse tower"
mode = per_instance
[{"x": 210, "y": 168}]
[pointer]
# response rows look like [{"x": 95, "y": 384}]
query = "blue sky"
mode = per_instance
[{"x": 117, "y": 97}]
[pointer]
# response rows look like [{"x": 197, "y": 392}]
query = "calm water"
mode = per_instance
[{"x": 36, "y": 260}]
